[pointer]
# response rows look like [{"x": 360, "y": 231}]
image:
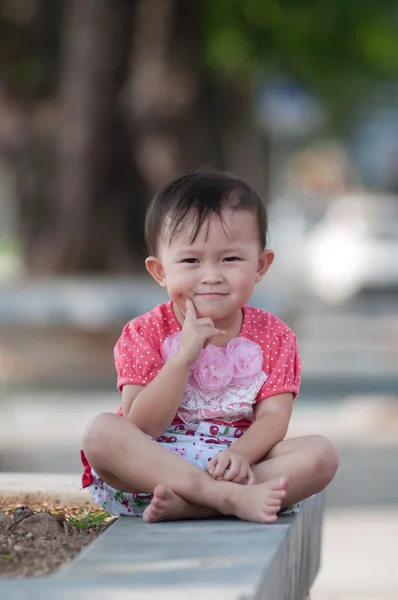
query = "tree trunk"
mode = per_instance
[
  {"x": 101, "y": 197},
  {"x": 244, "y": 147},
  {"x": 134, "y": 109},
  {"x": 168, "y": 98}
]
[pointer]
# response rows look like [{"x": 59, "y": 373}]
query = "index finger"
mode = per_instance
[
  {"x": 190, "y": 311},
  {"x": 222, "y": 465}
]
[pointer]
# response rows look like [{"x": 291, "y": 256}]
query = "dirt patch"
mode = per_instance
[{"x": 37, "y": 539}]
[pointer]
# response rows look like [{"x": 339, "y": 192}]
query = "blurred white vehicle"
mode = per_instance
[
  {"x": 353, "y": 248},
  {"x": 334, "y": 248}
]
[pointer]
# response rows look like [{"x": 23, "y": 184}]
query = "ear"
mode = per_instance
[
  {"x": 155, "y": 268},
  {"x": 265, "y": 260}
]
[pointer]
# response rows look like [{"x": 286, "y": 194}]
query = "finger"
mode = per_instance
[
  {"x": 233, "y": 472},
  {"x": 205, "y": 321},
  {"x": 218, "y": 332},
  {"x": 190, "y": 311},
  {"x": 222, "y": 465},
  {"x": 213, "y": 334},
  {"x": 208, "y": 324},
  {"x": 211, "y": 465},
  {"x": 241, "y": 476}
]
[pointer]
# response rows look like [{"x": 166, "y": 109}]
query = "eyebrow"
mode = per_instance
[{"x": 227, "y": 250}]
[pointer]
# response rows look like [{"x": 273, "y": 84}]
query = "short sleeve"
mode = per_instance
[
  {"x": 282, "y": 365},
  {"x": 137, "y": 357}
]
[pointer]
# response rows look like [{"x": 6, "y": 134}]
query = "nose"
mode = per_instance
[{"x": 211, "y": 275}]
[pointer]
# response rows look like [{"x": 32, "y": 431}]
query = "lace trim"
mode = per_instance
[{"x": 229, "y": 404}]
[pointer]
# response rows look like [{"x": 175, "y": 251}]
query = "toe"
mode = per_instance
[
  {"x": 278, "y": 484},
  {"x": 160, "y": 491},
  {"x": 148, "y": 515},
  {"x": 158, "y": 503},
  {"x": 273, "y": 510},
  {"x": 284, "y": 482},
  {"x": 277, "y": 495},
  {"x": 274, "y": 502}
]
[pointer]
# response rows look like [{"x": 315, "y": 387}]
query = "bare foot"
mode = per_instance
[
  {"x": 258, "y": 503},
  {"x": 166, "y": 505}
]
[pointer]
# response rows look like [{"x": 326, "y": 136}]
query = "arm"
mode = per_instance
[
  {"x": 152, "y": 408},
  {"x": 272, "y": 416}
]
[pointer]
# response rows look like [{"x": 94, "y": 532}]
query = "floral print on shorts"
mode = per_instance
[{"x": 196, "y": 443}]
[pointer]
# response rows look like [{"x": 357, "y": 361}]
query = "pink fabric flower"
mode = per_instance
[
  {"x": 238, "y": 363},
  {"x": 170, "y": 345},
  {"x": 213, "y": 369},
  {"x": 247, "y": 360}
]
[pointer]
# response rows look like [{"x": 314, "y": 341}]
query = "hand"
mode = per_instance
[
  {"x": 231, "y": 466},
  {"x": 196, "y": 333}
]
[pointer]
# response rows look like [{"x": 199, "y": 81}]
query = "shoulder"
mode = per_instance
[
  {"x": 153, "y": 318},
  {"x": 155, "y": 324},
  {"x": 263, "y": 323}
]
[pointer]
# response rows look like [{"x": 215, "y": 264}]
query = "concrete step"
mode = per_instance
[
  {"x": 63, "y": 489},
  {"x": 208, "y": 559}
]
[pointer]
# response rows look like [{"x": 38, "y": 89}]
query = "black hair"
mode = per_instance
[{"x": 193, "y": 198}]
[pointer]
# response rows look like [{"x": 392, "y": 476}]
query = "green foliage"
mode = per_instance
[
  {"x": 90, "y": 518},
  {"x": 30, "y": 46},
  {"x": 7, "y": 557},
  {"x": 322, "y": 44},
  {"x": 312, "y": 41}
]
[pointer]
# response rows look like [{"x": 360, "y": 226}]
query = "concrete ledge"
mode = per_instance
[
  {"x": 94, "y": 303},
  {"x": 202, "y": 560},
  {"x": 223, "y": 558},
  {"x": 63, "y": 489},
  {"x": 89, "y": 303}
]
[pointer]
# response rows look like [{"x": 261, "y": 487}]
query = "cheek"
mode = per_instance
[
  {"x": 244, "y": 278},
  {"x": 179, "y": 280}
]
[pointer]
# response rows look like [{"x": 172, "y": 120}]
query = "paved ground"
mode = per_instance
[{"x": 359, "y": 555}]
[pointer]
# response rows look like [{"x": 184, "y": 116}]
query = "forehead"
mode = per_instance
[{"x": 234, "y": 227}]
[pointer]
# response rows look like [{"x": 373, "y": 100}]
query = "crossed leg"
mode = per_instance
[
  {"x": 309, "y": 462},
  {"x": 128, "y": 460}
]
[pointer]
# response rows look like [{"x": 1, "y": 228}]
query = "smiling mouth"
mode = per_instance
[{"x": 211, "y": 295}]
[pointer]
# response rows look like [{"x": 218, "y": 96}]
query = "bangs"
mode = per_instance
[
  {"x": 186, "y": 217},
  {"x": 191, "y": 201}
]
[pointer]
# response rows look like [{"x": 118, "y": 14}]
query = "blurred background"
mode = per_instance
[{"x": 102, "y": 102}]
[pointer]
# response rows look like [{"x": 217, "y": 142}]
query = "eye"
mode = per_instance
[
  {"x": 231, "y": 258},
  {"x": 190, "y": 261}
]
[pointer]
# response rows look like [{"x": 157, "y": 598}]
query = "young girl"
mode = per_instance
[{"x": 207, "y": 382}]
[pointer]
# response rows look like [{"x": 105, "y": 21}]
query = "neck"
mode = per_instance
[{"x": 231, "y": 324}]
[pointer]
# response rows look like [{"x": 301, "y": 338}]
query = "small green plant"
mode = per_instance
[
  {"x": 89, "y": 517},
  {"x": 8, "y": 557}
]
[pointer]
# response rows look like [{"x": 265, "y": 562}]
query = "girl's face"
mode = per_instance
[{"x": 218, "y": 270}]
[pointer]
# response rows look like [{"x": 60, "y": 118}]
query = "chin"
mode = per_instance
[{"x": 212, "y": 312}]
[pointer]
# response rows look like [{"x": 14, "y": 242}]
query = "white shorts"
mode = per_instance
[{"x": 196, "y": 443}]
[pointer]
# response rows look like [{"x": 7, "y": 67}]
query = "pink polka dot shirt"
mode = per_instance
[{"x": 138, "y": 352}]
